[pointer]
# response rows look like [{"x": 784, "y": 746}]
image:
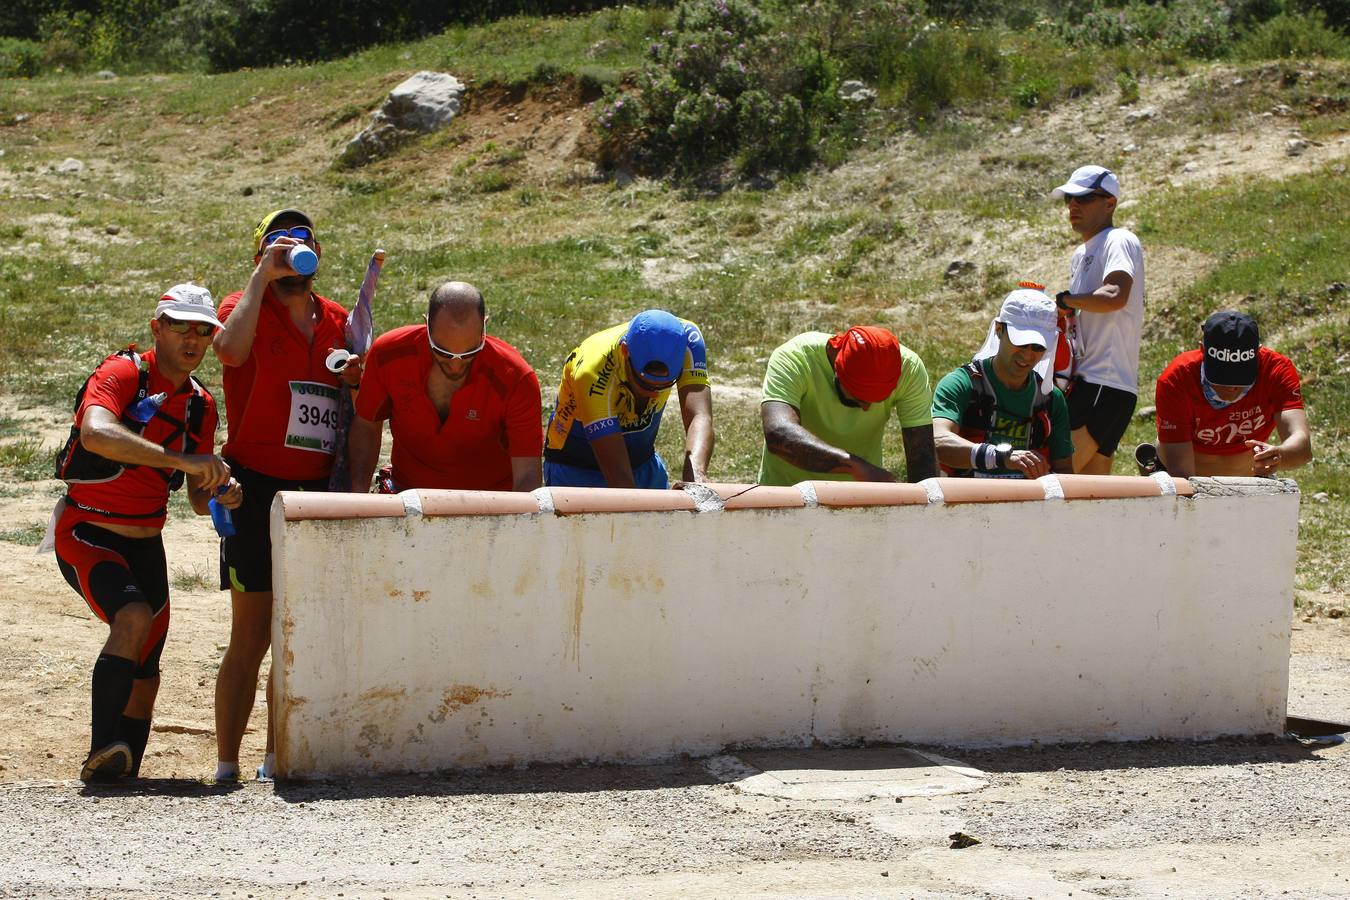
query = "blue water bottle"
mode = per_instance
[
  {"x": 302, "y": 259},
  {"x": 144, "y": 409},
  {"x": 220, "y": 516}
]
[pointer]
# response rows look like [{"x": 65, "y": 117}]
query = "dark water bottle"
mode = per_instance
[
  {"x": 220, "y": 516},
  {"x": 144, "y": 409},
  {"x": 1147, "y": 459}
]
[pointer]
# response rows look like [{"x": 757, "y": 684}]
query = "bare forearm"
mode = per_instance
[
  {"x": 527, "y": 473},
  {"x": 952, "y": 449},
  {"x": 1296, "y": 451},
  {"x": 1178, "y": 458},
  {"x": 234, "y": 342},
  {"x": 199, "y": 499},
  {"x": 1111, "y": 296},
  {"x": 114, "y": 441},
  {"x": 363, "y": 452},
  {"x": 611, "y": 455},
  {"x": 698, "y": 449}
]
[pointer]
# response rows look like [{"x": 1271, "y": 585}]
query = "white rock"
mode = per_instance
[
  {"x": 1139, "y": 115},
  {"x": 424, "y": 103},
  {"x": 1295, "y": 147},
  {"x": 1322, "y": 497},
  {"x": 856, "y": 92},
  {"x": 70, "y": 166},
  {"x": 1191, "y": 166}
]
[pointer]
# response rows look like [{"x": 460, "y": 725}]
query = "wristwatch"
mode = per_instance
[
  {"x": 1059, "y": 300},
  {"x": 1001, "y": 454}
]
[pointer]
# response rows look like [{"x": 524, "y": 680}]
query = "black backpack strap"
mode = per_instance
[
  {"x": 981, "y": 412},
  {"x": 73, "y": 461},
  {"x": 1039, "y": 435}
]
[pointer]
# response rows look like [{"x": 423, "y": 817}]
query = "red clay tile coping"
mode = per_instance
[{"x": 303, "y": 505}]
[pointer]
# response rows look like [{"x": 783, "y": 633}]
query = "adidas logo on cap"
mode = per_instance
[{"x": 1223, "y": 354}]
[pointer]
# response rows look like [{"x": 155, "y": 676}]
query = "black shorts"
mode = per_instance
[
  {"x": 110, "y": 571},
  {"x": 246, "y": 557},
  {"x": 1104, "y": 410}
]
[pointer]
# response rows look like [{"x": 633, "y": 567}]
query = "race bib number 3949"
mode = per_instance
[{"x": 313, "y": 419}]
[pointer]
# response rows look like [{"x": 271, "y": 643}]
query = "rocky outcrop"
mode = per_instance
[{"x": 424, "y": 103}]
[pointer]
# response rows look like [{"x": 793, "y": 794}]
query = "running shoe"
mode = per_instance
[{"x": 108, "y": 764}]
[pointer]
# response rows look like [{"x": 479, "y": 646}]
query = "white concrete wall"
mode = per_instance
[{"x": 420, "y": 642}]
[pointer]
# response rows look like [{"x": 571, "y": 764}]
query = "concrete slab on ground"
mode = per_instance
[{"x": 849, "y": 774}]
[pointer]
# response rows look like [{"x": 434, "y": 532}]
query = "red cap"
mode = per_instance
[{"x": 868, "y": 362}]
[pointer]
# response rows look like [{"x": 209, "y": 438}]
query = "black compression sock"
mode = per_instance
[
  {"x": 136, "y": 732},
  {"x": 111, "y": 690}
]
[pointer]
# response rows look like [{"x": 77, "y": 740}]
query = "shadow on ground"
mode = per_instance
[{"x": 1107, "y": 755}]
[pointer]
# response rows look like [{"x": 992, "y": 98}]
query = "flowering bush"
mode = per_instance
[
  {"x": 724, "y": 84},
  {"x": 1199, "y": 28}
]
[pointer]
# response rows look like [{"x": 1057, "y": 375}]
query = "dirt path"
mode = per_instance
[{"x": 1225, "y": 819}]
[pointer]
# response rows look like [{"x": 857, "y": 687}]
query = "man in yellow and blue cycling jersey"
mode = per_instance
[{"x": 615, "y": 385}]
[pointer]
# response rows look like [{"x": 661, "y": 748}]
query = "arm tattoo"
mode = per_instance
[
  {"x": 786, "y": 438},
  {"x": 920, "y": 457},
  {"x": 804, "y": 450}
]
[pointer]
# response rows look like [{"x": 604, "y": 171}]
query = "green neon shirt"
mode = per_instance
[{"x": 801, "y": 376}]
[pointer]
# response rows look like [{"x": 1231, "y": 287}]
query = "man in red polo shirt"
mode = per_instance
[
  {"x": 464, "y": 407},
  {"x": 1218, "y": 405},
  {"x": 281, "y": 402},
  {"x": 142, "y": 424}
]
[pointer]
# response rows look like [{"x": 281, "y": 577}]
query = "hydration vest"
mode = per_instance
[
  {"x": 75, "y": 464},
  {"x": 982, "y": 413}
]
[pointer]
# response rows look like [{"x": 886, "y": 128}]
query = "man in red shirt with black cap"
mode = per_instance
[
  {"x": 281, "y": 402},
  {"x": 1218, "y": 405},
  {"x": 826, "y": 402}
]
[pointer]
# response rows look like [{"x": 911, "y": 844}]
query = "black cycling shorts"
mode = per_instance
[
  {"x": 246, "y": 557},
  {"x": 1105, "y": 411},
  {"x": 110, "y": 571}
]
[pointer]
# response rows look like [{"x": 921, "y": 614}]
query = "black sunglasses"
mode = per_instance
[{"x": 1083, "y": 198}]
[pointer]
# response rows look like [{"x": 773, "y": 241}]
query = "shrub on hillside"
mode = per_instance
[
  {"x": 947, "y": 66},
  {"x": 1196, "y": 28},
  {"x": 19, "y": 59},
  {"x": 1291, "y": 36},
  {"x": 721, "y": 84}
]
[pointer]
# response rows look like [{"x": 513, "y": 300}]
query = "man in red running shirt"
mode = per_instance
[
  {"x": 1218, "y": 405},
  {"x": 281, "y": 402},
  {"x": 464, "y": 407},
  {"x": 142, "y": 423}
]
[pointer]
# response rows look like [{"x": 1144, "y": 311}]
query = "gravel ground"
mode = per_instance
[{"x": 1241, "y": 818}]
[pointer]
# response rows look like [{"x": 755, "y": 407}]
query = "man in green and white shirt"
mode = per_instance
[
  {"x": 998, "y": 416},
  {"x": 826, "y": 402}
]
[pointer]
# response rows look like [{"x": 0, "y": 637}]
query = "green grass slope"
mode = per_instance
[{"x": 177, "y": 168}]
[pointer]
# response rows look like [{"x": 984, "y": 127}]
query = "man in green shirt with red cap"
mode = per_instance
[{"x": 826, "y": 402}]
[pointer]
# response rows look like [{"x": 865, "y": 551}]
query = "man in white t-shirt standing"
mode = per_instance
[{"x": 1106, "y": 297}]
